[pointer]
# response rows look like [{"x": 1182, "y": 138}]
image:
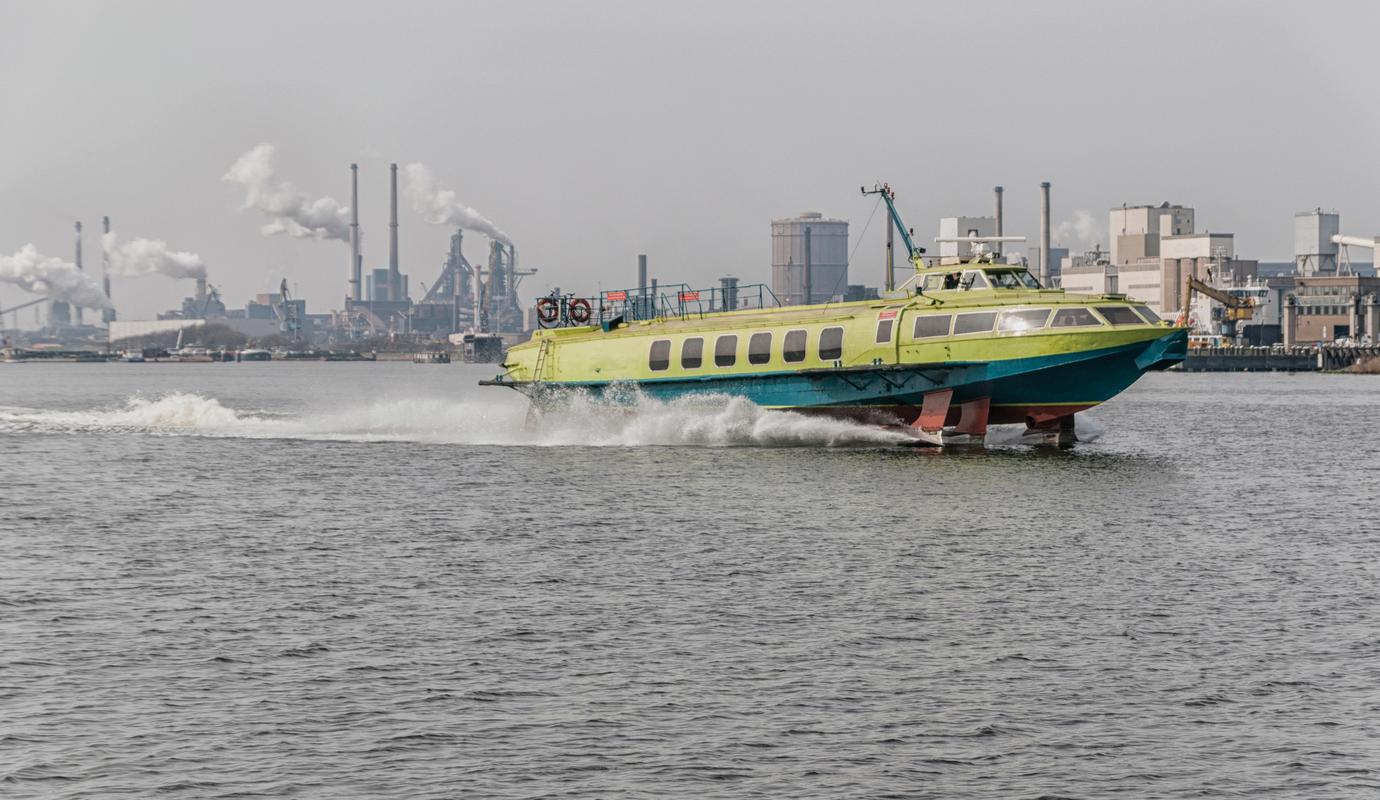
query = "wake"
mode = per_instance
[{"x": 705, "y": 421}]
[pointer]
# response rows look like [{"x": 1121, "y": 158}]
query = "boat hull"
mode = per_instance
[{"x": 1020, "y": 389}]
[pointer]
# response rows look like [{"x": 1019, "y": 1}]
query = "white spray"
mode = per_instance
[
  {"x": 35, "y": 273},
  {"x": 140, "y": 257},
  {"x": 288, "y": 210},
  {"x": 441, "y": 207}
]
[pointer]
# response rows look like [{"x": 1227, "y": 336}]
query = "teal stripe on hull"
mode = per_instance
[{"x": 1069, "y": 378}]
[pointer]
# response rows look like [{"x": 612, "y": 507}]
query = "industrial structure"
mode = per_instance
[
  {"x": 809, "y": 259},
  {"x": 464, "y": 297}
]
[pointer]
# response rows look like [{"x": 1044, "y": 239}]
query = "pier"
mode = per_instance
[{"x": 1334, "y": 358}]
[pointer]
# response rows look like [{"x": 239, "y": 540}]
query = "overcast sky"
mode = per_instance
[{"x": 591, "y": 132}]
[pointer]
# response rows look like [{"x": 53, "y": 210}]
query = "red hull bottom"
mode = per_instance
[{"x": 1029, "y": 415}]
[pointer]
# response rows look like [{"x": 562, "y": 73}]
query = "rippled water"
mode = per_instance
[{"x": 369, "y": 580}]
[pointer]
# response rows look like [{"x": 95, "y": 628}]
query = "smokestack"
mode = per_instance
[
  {"x": 996, "y": 198},
  {"x": 394, "y": 278},
  {"x": 108, "y": 315},
  {"x": 641, "y": 271},
  {"x": 355, "y": 262},
  {"x": 79, "y": 269},
  {"x": 200, "y": 289},
  {"x": 809, "y": 282},
  {"x": 1044, "y": 234}
]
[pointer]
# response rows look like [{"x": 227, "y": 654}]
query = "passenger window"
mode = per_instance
[
  {"x": 831, "y": 344},
  {"x": 1074, "y": 318},
  {"x": 692, "y": 353},
  {"x": 726, "y": 351},
  {"x": 1119, "y": 315},
  {"x": 884, "y": 330},
  {"x": 1150, "y": 316},
  {"x": 793, "y": 348},
  {"x": 1028, "y": 319},
  {"x": 660, "y": 357},
  {"x": 981, "y": 322},
  {"x": 759, "y": 348},
  {"x": 932, "y": 325}
]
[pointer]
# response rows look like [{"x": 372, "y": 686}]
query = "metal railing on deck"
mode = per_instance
[{"x": 671, "y": 301}]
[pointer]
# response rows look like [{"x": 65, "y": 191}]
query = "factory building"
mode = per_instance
[
  {"x": 1315, "y": 252},
  {"x": 1153, "y": 251},
  {"x": 1058, "y": 256},
  {"x": 809, "y": 255}
]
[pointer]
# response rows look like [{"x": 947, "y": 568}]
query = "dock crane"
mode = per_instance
[
  {"x": 287, "y": 312},
  {"x": 1237, "y": 309}
]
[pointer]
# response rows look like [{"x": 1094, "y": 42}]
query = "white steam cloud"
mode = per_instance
[
  {"x": 1082, "y": 231},
  {"x": 289, "y": 211},
  {"x": 441, "y": 207},
  {"x": 52, "y": 277},
  {"x": 140, "y": 257}
]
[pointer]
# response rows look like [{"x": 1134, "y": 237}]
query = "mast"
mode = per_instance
[{"x": 894, "y": 224}]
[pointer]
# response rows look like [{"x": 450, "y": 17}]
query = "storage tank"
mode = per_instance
[{"x": 828, "y": 257}]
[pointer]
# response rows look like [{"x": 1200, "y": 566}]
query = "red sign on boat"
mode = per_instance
[
  {"x": 616, "y": 296},
  {"x": 886, "y": 314}
]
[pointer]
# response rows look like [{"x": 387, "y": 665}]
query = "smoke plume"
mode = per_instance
[
  {"x": 52, "y": 277},
  {"x": 440, "y": 206},
  {"x": 1082, "y": 231},
  {"x": 140, "y": 257},
  {"x": 288, "y": 210}
]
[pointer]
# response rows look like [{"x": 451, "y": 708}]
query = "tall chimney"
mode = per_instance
[
  {"x": 1044, "y": 234},
  {"x": 996, "y": 198},
  {"x": 641, "y": 271},
  {"x": 79, "y": 269},
  {"x": 809, "y": 267},
  {"x": 394, "y": 277},
  {"x": 109, "y": 314},
  {"x": 354, "y": 234}
]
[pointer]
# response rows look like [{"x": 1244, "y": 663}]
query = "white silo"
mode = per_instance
[{"x": 826, "y": 252}]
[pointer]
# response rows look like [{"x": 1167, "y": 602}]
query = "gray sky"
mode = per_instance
[{"x": 594, "y": 131}]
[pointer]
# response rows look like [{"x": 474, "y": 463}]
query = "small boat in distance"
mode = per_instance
[
  {"x": 254, "y": 354},
  {"x": 956, "y": 348}
]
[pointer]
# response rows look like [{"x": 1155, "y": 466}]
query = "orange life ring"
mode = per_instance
[{"x": 578, "y": 311}]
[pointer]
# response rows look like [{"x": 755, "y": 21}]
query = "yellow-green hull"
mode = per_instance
[{"x": 1024, "y": 374}]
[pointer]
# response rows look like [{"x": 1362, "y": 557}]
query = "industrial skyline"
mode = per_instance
[{"x": 533, "y": 122}]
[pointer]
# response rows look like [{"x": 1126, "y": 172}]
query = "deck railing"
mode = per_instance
[{"x": 667, "y": 301}]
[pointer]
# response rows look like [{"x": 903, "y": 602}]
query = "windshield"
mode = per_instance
[
  {"x": 1005, "y": 279},
  {"x": 972, "y": 279},
  {"x": 1012, "y": 279}
]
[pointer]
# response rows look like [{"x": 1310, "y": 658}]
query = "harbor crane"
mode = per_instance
[
  {"x": 1236, "y": 309},
  {"x": 287, "y": 313}
]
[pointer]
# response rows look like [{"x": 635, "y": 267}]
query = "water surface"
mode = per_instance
[{"x": 370, "y": 580}]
